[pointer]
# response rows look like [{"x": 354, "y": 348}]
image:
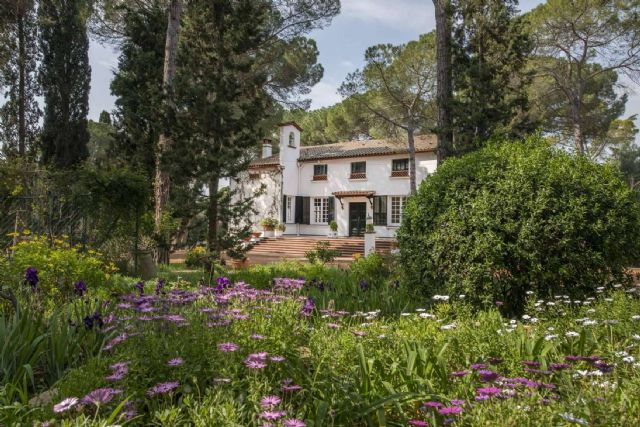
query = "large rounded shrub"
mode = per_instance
[{"x": 516, "y": 217}]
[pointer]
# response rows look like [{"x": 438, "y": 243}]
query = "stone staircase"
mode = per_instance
[{"x": 296, "y": 246}]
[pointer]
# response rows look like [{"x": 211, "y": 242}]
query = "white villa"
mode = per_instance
[{"x": 353, "y": 183}]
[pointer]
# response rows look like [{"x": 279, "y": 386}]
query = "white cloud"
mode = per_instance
[
  {"x": 323, "y": 95},
  {"x": 412, "y": 14}
]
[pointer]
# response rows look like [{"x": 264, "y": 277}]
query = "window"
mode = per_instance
[
  {"x": 289, "y": 210},
  {"x": 292, "y": 140},
  {"x": 397, "y": 209},
  {"x": 400, "y": 165},
  {"x": 319, "y": 172},
  {"x": 320, "y": 210},
  {"x": 359, "y": 167},
  {"x": 380, "y": 210}
]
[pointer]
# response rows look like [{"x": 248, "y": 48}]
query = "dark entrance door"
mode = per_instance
[{"x": 357, "y": 218}]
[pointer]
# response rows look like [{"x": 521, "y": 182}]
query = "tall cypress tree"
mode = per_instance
[
  {"x": 489, "y": 50},
  {"x": 65, "y": 77},
  {"x": 20, "y": 114}
]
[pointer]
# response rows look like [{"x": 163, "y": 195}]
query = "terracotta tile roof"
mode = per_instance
[
  {"x": 374, "y": 147},
  {"x": 266, "y": 162},
  {"x": 354, "y": 193},
  {"x": 354, "y": 149}
]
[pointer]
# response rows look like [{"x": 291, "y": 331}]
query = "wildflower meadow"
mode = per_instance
[{"x": 298, "y": 351}]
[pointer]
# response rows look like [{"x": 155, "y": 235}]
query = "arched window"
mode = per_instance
[{"x": 292, "y": 139}]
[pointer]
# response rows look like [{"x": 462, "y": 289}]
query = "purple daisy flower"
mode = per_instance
[
  {"x": 228, "y": 347},
  {"x": 65, "y": 405},
  {"x": 100, "y": 396},
  {"x": 432, "y": 404},
  {"x": 175, "y": 361},
  {"x": 487, "y": 376},
  {"x": 254, "y": 364},
  {"x": 489, "y": 391},
  {"x": 270, "y": 401},
  {"x": 478, "y": 366},
  {"x": 458, "y": 373},
  {"x": 450, "y": 410},
  {"x": 418, "y": 423},
  {"x": 293, "y": 422},
  {"x": 272, "y": 415},
  {"x": 162, "y": 388},
  {"x": 277, "y": 359},
  {"x": 457, "y": 402}
]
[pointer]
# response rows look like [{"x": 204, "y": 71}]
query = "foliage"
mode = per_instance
[
  {"x": 322, "y": 253},
  {"x": 333, "y": 225},
  {"x": 518, "y": 217},
  {"x": 65, "y": 78},
  {"x": 20, "y": 114},
  {"x": 60, "y": 266},
  {"x": 361, "y": 368},
  {"x": 269, "y": 223},
  {"x": 582, "y": 46},
  {"x": 490, "y": 48},
  {"x": 195, "y": 256}
]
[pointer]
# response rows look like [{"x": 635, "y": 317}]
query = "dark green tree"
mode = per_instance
[
  {"x": 20, "y": 114},
  {"x": 220, "y": 94},
  {"x": 137, "y": 85},
  {"x": 490, "y": 48},
  {"x": 65, "y": 77}
]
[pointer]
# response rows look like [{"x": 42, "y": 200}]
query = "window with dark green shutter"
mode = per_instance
[{"x": 380, "y": 210}]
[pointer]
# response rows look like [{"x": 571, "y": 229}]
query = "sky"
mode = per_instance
[{"x": 361, "y": 23}]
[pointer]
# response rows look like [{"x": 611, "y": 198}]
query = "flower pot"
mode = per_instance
[
  {"x": 268, "y": 233},
  {"x": 238, "y": 264}
]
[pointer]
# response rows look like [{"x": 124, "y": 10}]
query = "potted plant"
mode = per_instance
[
  {"x": 369, "y": 239},
  {"x": 237, "y": 256},
  {"x": 333, "y": 226},
  {"x": 269, "y": 225},
  {"x": 280, "y": 229}
]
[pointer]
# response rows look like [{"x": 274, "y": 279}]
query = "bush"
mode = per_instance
[
  {"x": 519, "y": 216},
  {"x": 60, "y": 266},
  {"x": 322, "y": 253},
  {"x": 196, "y": 257}
]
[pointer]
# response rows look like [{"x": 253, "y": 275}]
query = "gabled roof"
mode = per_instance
[{"x": 354, "y": 149}]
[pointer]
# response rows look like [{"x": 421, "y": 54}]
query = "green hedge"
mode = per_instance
[{"x": 517, "y": 217}]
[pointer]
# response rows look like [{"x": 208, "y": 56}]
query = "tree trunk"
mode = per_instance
[
  {"x": 212, "y": 213},
  {"x": 22, "y": 102},
  {"x": 443, "y": 66},
  {"x": 162, "y": 182},
  {"x": 412, "y": 161}
]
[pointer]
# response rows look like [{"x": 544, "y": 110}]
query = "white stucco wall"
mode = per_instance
[{"x": 268, "y": 204}]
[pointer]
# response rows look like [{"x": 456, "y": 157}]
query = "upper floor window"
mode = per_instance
[
  {"x": 319, "y": 172},
  {"x": 397, "y": 209},
  {"x": 292, "y": 139},
  {"x": 400, "y": 167},
  {"x": 358, "y": 170}
]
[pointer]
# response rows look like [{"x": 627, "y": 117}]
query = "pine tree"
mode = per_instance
[
  {"x": 490, "y": 49},
  {"x": 19, "y": 116},
  {"x": 65, "y": 77}
]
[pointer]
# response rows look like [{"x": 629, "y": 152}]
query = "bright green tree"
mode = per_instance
[
  {"x": 65, "y": 77},
  {"x": 581, "y": 41}
]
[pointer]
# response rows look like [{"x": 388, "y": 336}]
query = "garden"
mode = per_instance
[{"x": 449, "y": 331}]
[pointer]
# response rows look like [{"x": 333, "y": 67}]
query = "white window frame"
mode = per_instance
[
  {"x": 398, "y": 204},
  {"x": 320, "y": 212},
  {"x": 289, "y": 210}
]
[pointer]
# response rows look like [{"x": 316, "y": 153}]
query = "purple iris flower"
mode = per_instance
[
  {"x": 31, "y": 277},
  {"x": 80, "y": 288},
  {"x": 139, "y": 287},
  {"x": 308, "y": 307}
]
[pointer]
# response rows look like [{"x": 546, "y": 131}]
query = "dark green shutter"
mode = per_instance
[
  {"x": 299, "y": 210},
  {"x": 306, "y": 210},
  {"x": 284, "y": 209}
]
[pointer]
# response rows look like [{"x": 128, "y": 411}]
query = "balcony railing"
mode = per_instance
[
  {"x": 399, "y": 173},
  {"x": 319, "y": 177},
  {"x": 358, "y": 175}
]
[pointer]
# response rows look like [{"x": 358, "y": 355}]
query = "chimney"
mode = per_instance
[{"x": 267, "y": 148}]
